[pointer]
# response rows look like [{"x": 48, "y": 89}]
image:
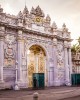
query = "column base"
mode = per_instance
[
  {"x": 16, "y": 87},
  {"x": 2, "y": 86},
  {"x": 57, "y": 83},
  {"x": 19, "y": 85},
  {"x": 1, "y": 81},
  {"x": 50, "y": 83},
  {"x": 68, "y": 83}
]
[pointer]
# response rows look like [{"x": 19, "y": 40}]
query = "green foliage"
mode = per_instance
[
  {"x": 79, "y": 40},
  {"x": 76, "y": 47}
]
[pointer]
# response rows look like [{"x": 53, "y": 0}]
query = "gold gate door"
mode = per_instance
[
  {"x": 36, "y": 62},
  {"x": 31, "y": 68}
]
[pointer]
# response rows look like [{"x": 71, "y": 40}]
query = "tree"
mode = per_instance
[
  {"x": 73, "y": 49},
  {"x": 76, "y": 47},
  {"x": 78, "y": 40}
]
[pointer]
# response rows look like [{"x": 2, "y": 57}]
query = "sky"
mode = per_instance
[{"x": 60, "y": 11}]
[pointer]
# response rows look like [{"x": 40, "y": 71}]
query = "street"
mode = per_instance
[
  {"x": 53, "y": 93},
  {"x": 72, "y": 98}
]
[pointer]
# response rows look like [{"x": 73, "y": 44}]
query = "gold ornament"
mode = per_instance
[{"x": 38, "y": 19}]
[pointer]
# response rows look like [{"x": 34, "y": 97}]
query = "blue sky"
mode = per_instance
[{"x": 60, "y": 11}]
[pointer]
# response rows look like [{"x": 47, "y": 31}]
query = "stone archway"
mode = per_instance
[{"x": 36, "y": 62}]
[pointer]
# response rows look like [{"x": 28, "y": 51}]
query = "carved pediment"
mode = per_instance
[
  {"x": 25, "y": 11},
  {"x": 48, "y": 18},
  {"x": 32, "y": 11},
  {"x": 20, "y": 15},
  {"x": 37, "y": 11},
  {"x": 1, "y": 9},
  {"x": 64, "y": 28},
  {"x": 54, "y": 26}
]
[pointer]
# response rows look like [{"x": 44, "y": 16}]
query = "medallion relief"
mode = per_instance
[{"x": 9, "y": 50}]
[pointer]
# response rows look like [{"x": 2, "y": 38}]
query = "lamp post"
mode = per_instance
[{"x": 16, "y": 81}]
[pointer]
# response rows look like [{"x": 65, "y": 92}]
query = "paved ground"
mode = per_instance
[
  {"x": 72, "y": 98},
  {"x": 53, "y": 93}
]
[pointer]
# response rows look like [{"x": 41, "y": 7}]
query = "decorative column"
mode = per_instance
[
  {"x": 19, "y": 55},
  {"x": 1, "y": 53},
  {"x": 16, "y": 79},
  {"x": 70, "y": 61},
  {"x": 36, "y": 65},
  {"x": 56, "y": 81},
  {"x": 19, "y": 50},
  {"x": 67, "y": 74}
]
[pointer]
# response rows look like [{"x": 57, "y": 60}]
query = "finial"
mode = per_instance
[
  {"x": 43, "y": 13},
  {"x": 48, "y": 18},
  {"x": 25, "y": 11},
  {"x": 32, "y": 11},
  {"x": 54, "y": 26},
  {"x": 1, "y": 9},
  {"x": 25, "y": 3},
  {"x": 20, "y": 15},
  {"x": 39, "y": 12},
  {"x": 64, "y": 27}
]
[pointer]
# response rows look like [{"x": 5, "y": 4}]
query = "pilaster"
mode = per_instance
[
  {"x": 56, "y": 81},
  {"x": 66, "y": 59},
  {"x": 2, "y": 34},
  {"x": 19, "y": 58},
  {"x": 70, "y": 61}
]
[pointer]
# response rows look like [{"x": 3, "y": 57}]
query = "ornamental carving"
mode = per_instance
[
  {"x": 9, "y": 50},
  {"x": 39, "y": 12},
  {"x": 60, "y": 62},
  {"x": 32, "y": 20},
  {"x": 10, "y": 39},
  {"x": 9, "y": 53},
  {"x": 25, "y": 12},
  {"x": 32, "y": 11},
  {"x": 60, "y": 75}
]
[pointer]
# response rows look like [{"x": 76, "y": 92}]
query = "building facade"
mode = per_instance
[
  {"x": 76, "y": 62},
  {"x": 75, "y": 51},
  {"x": 30, "y": 44}
]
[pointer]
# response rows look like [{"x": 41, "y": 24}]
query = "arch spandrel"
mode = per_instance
[{"x": 42, "y": 46}]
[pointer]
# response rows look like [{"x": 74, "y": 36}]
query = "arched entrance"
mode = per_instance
[{"x": 36, "y": 62}]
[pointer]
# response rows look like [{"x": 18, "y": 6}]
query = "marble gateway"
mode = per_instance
[{"x": 30, "y": 44}]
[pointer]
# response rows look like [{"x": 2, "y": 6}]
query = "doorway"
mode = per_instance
[{"x": 36, "y": 62}]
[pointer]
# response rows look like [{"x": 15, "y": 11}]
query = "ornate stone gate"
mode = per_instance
[{"x": 23, "y": 34}]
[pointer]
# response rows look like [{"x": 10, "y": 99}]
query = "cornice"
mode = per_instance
[{"x": 43, "y": 34}]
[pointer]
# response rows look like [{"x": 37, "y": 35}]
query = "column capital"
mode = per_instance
[
  {"x": 65, "y": 44},
  {"x": 69, "y": 45},
  {"x": 54, "y": 41},
  {"x": 2, "y": 32},
  {"x": 2, "y": 35},
  {"x": 19, "y": 37}
]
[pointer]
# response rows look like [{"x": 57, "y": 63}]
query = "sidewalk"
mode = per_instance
[{"x": 52, "y": 93}]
